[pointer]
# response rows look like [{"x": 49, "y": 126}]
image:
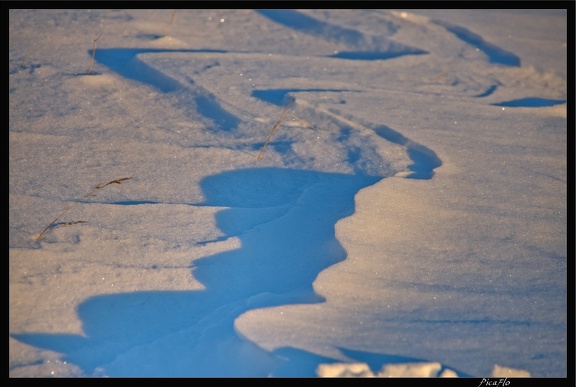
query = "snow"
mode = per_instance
[
  {"x": 407, "y": 218},
  {"x": 409, "y": 370}
]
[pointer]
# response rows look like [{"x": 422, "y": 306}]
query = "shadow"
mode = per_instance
[
  {"x": 531, "y": 102},
  {"x": 376, "y": 55},
  {"x": 285, "y": 221},
  {"x": 134, "y": 202},
  {"x": 489, "y": 91},
  {"x": 366, "y": 47},
  {"x": 424, "y": 159},
  {"x": 279, "y": 97},
  {"x": 125, "y": 62},
  {"x": 300, "y": 22},
  {"x": 495, "y": 54}
]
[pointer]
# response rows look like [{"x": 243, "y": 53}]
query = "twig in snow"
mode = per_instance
[
  {"x": 274, "y": 127},
  {"x": 170, "y": 24},
  {"x": 99, "y": 186},
  {"x": 25, "y": 57},
  {"x": 93, "y": 53}
]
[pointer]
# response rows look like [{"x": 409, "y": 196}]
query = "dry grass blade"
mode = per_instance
[
  {"x": 170, "y": 24},
  {"x": 274, "y": 127},
  {"x": 25, "y": 57},
  {"x": 54, "y": 221},
  {"x": 117, "y": 181},
  {"x": 99, "y": 186},
  {"x": 93, "y": 53}
]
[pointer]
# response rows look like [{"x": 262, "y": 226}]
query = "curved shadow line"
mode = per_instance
[
  {"x": 424, "y": 159},
  {"x": 300, "y": 22},
  {"x": 280, "y": 257},
  {"x": 487, "y": 92},
  {"x": 285, "y": 221},
  {"x": 125, "y": 62},
  {"x": 376, "y": 55},
  {"x": 530, "y": 102},
  {"x": 368, "y": 50},
  {"x": 279, "y": 96},
  {"x": 495, "y": 54}
]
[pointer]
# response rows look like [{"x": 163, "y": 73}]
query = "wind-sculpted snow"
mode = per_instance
[
  {"x": 248, "y": 234},
  {"x": 189, "y": 75},
  {"x": 127, "y": 64},
  {"x": 370, "y": 47},
  {"x": 495, "y": 54},
  {"x": 283, "y": 248}
]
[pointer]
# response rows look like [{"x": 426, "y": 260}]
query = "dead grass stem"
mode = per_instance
[
  {"x": 93, "y": 53},
  {"x": 91, "y": 193},
  {"x": 275, "y": 126},
  {"x": 170, "y": 24},
  {"x": 26, "y": 57}
]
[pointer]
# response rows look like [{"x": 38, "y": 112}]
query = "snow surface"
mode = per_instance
[{"x": 408, "y": 216}]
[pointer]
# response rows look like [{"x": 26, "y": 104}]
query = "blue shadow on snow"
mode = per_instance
[
  {"x": 530, "y": 102},
  {"x": 487, "y": 92},
  {"x": 375, "y": 55},
  {"x": 365, "y": 49},
  {"x": 125, "y": 62},
  {"x": 424, "y": 159},
  {"x": 303, "y": 23},
  {"x": 285, "y": 221},
  {"x": 495, "y": 54},
  {"x": 279, "y": 96}
]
